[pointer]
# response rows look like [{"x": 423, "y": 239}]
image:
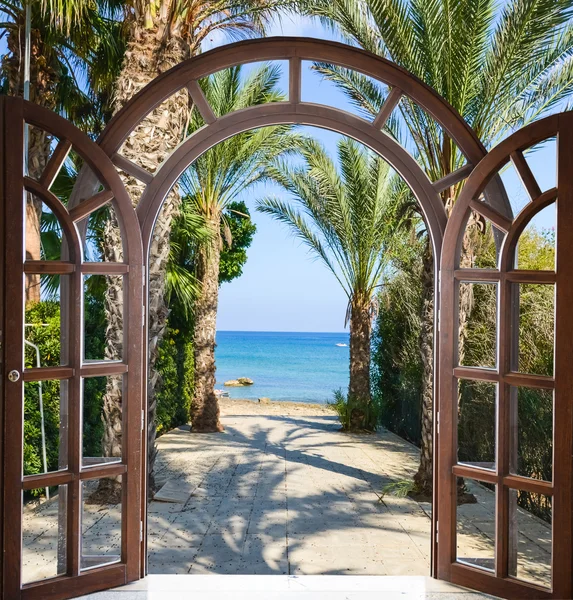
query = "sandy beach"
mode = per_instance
[{"x": 232, "y": 406}]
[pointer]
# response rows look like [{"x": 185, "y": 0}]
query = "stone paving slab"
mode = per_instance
[{"x": 286, "y": 495}]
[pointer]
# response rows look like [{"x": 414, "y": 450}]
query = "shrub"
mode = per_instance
[
  {"x": 396, "y": 361},
  {"x": 344, "y": 407},
  {"x": 175, "y": 366}
]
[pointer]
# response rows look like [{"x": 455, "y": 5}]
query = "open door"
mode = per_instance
[
  {"x": 515, "y": 541},
  {"x": 55, "y": 542}
]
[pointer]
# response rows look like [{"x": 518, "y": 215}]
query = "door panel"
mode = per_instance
[
  {"x": 56, "y": 543},
  {"x": 505, "y": 402}
]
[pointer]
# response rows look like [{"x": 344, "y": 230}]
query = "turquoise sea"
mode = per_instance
[{"x": 300, "y": 367}]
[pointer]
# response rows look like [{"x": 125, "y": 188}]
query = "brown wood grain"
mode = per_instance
[
  {"x": 388, "y": 107},
  {"x": 55, "y": 163},
  {"x": 13, "y": 340}
]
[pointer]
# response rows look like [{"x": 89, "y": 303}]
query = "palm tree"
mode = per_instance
[
  {"x": 340, "y": 215},
  {"x": 75, "y": 54},
  {"x": 499, "y": 66},
  {"x": 212, "y": 183},
  {"x": 160, "y": 34}
]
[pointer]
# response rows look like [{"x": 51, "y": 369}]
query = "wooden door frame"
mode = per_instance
[
  {"x": 512, "y": 149},
  {"x": 403, "y": 86},
  {"x": 15, "y": 113},
  {"x": 186, "y": 75}
]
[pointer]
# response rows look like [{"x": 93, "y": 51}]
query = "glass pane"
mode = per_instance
[
  {"x": 530, "y": 537},
  {"x": 533, "y": 445},
  {"x": 103, "y": 317},
  {"x": 475, "y": 528},
  {"x": 477, "y": 402},
  {"x": 43, "y": 232},
  {"x": 102, "y": 240},
  {"x": 45, "y": 426},
  {"x": 220, "y": 89},
  {"x": 44, "y": 326},
  {"x": 542, "y": 162},
  {"x": 41, "y": 145},
  {"x": 515, "y": 190},
  {"x": 319, "y": 88},
  {"x": 477, "y": 345},
  {"x": 482, "y": 242},
  {"x": 536, "y": 246},
  {"x": 101, "y": 522},
  {"x": 44, "y": 240},
  {"x": 536, "y": 310},
  {"x": 44, "y": 524},
  {"x": 102, "y": 424}
]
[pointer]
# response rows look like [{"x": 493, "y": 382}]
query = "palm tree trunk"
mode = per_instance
[
  {"x": 205, "y": 406},
  {"x": 359, "y": 393},
  {"x": 424, "y": 476},
  {"x": 155, "y": 138}
]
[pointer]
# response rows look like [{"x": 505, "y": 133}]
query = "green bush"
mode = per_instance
[
  {"x": 396, "y": 361},
  {"x": 397, "y": 368},
  {"x": 43, "y": 330},
  {"x": 344, "y": 407},
  {"x": 175, "y": 365}
]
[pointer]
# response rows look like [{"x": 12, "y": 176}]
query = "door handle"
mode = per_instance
[{"x": 14, "y": 375}]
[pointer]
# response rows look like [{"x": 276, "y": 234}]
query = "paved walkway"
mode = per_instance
[{"x": 288, "y": 495}]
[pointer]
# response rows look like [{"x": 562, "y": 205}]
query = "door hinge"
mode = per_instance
[
  {"x": 143, "y": 275},
  {"x": 438, "y": 422},
  {"x": 439, "y": 319},
  {"x": 437, "y": 530},
  {"x": 142, "y": 420},
  {"x": 141, "y": 531},
  {"x": 143, "y": 316}
]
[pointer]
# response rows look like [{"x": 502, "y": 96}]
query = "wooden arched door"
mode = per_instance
[
  {"x": 505, "y": 412},
  {"x": 71, "y": 511}
]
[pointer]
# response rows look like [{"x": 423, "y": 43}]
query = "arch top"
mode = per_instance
[
  {"x": 294, "y": 49},
  {"x": 486, "y": 173}
]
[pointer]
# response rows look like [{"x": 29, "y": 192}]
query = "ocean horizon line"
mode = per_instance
[{"x": 276, "y": 331}]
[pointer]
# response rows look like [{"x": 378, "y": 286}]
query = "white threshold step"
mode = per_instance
[{"x": 287, "y": 587}]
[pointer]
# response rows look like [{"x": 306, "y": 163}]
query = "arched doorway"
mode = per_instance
[
  {"x": 73, "y": 579},
  {"x": 294, "y": 50}
]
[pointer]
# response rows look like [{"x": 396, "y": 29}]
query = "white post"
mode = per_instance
[{"x": 42, "y": 428}]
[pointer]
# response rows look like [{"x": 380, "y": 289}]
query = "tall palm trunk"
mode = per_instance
[
  {"x": 155, "y": 138},
  {"x": 42, "y": 83},
  {"x": 423, "y": 478},
  {"x": 359, "y": 394},
  {"x": 205, "y": 406}
]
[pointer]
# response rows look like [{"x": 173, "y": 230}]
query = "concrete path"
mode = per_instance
[{"x": 287, "y": 495}]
